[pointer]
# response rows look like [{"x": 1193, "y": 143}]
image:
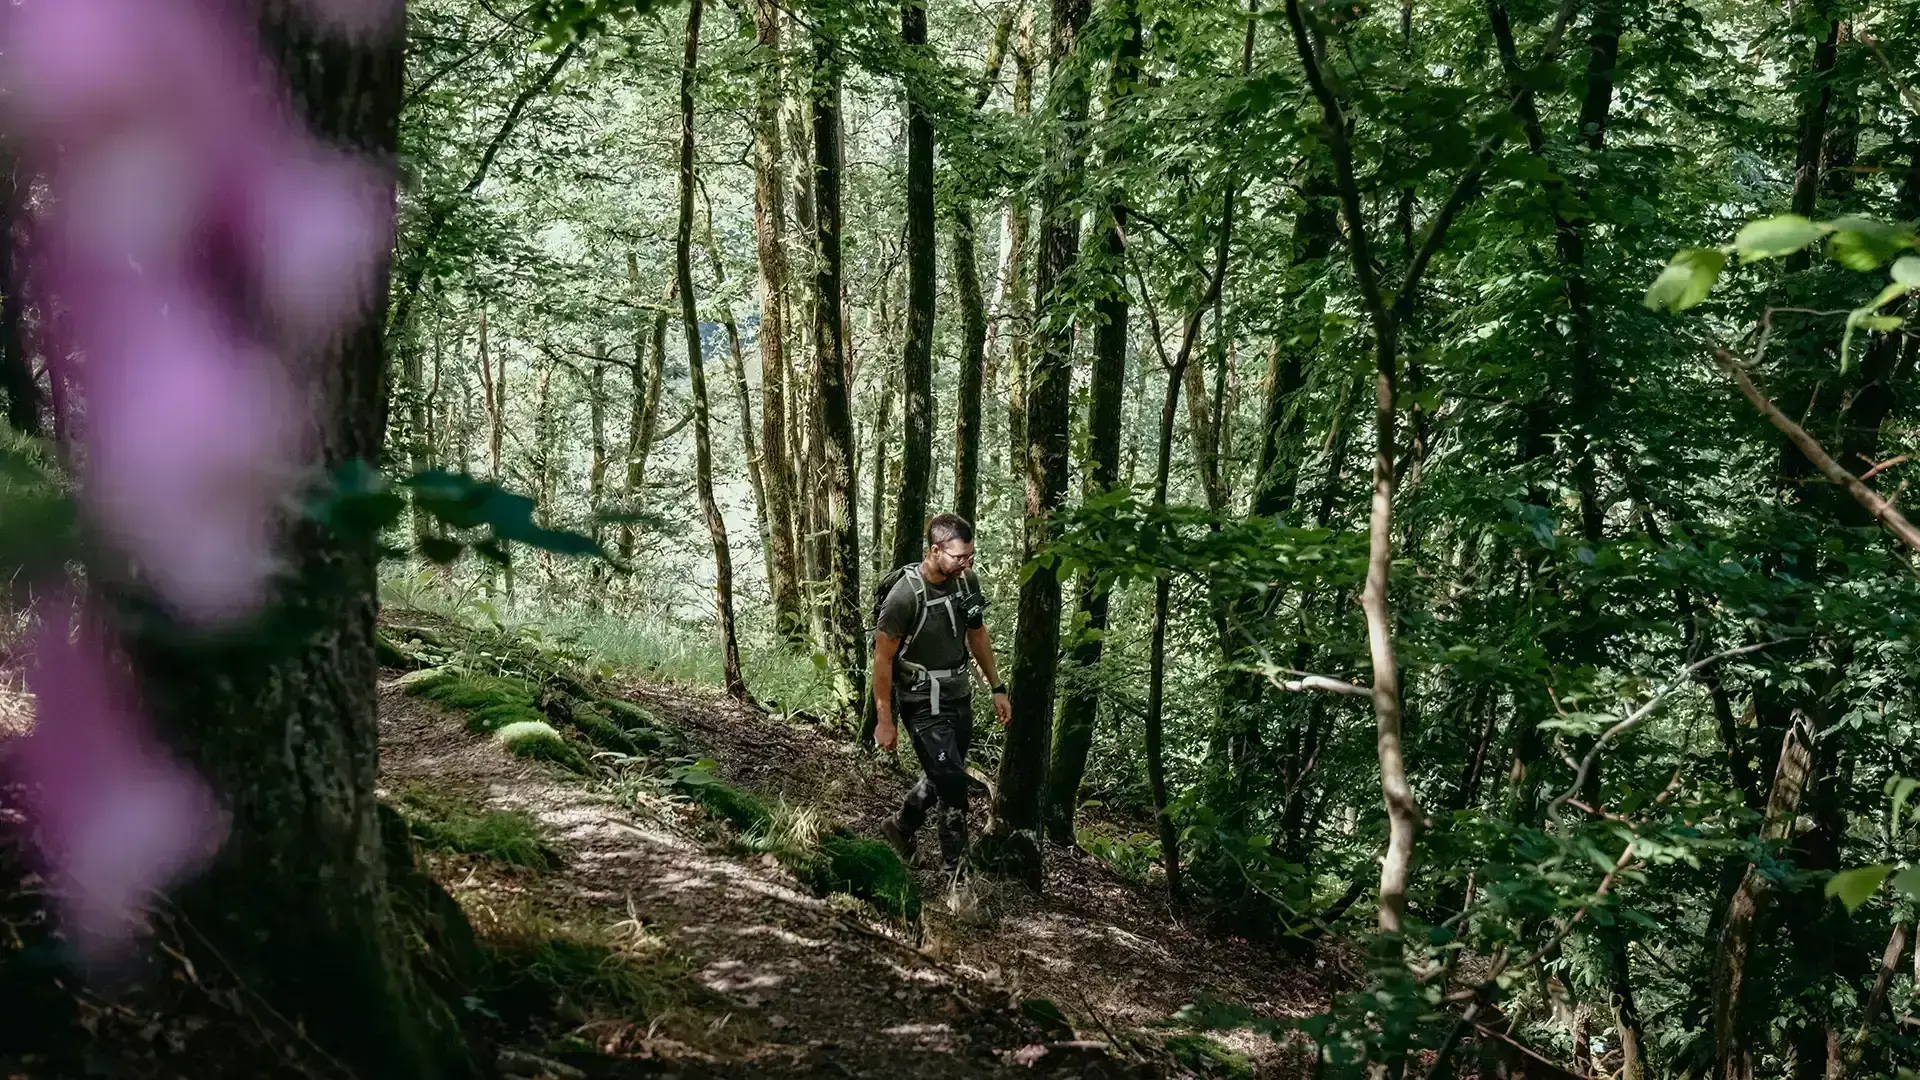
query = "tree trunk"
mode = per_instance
[
  {"x": 17, "y": 385},
  {"x": 916, "y": 369},
  {"x": 1016, "y": 825},
  {"x": 769, "y": 222},
  {"x": 1733, "y": 949},
  {"x": 1074, "y": 737},
  {"x": 839, "y": 524},
  {"x": 884, "y": 557},
  {"x": 306, "y": 903},
  {"x": 419, "y": 424},
  {"x": 697, "y": 369},
  {"x": 973, "y": 309},
  {"x": 597, "y": 471},
  {"x": 973, "y": 363},
  {"x": 1157, "y": 662},
  {"x": 1018, "y": 304},
  {"x": 737, "y": 374}
]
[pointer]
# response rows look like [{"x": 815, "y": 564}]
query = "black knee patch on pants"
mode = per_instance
[{"x": 941, "y": 746}]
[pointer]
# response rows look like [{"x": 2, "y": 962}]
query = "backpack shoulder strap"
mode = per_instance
[{"x": 912, "y": 574}]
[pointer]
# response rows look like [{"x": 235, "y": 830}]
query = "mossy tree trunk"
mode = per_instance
[
  {"x": 1014, "y": 835},
  {"x": 916, "y": 366},
  {"x": 1074, "y": 737},
  {"x": 303, "y": 902}
]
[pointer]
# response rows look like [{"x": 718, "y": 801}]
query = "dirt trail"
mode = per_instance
[{"x": 793, "y": 985}]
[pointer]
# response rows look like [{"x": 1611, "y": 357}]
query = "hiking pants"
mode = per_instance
[{"x": 941, "y": 743}]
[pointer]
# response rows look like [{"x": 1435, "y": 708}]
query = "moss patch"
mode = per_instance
[
  {"x": 745, "y": 812},
  {"x": 865, "y": 868},
  {"x": 536, "y": 740},
  {"x": 490, "y": 703},
  {"x": 451, "y": 824},
  {"x": 540, "y": 967},
  {"x": 602, "y": 732},
  {"x": 1207, "y": 1056}
]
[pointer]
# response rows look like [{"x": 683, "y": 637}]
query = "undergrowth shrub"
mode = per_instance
[{"x": 448, "y": 823}]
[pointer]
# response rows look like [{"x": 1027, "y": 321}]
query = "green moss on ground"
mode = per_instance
[
  {"x": 602, "y": 732},
  {"x": 743, "y": 811},
  {"x": 537, "y": 741},
  {"x": 865, "y": 868},
  {"x": 541, "y": 967},
  {"x": 448, "y": 823},
  {"x": 491, "y": 703},
  {"x": 1207, "y": 1056}
]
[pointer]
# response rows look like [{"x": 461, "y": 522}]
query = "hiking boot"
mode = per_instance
[{"x": 897, "y": 838}]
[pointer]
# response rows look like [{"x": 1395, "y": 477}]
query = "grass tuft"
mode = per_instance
[
  {"x": 536, "y": 740},
  {"x": 459, "y": 826}
]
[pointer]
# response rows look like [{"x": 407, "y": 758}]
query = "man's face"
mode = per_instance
[{"x": 953, "y": 556}]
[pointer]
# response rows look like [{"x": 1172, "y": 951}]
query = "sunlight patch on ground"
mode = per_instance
[{"x": 787, "y": 936}]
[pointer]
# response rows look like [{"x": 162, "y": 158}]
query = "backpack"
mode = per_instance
[{"x": 969, "y": 588}]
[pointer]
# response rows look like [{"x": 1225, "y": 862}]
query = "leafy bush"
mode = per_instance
[
  {"x": 536, "y": 740},
  {"x": 1134, "y": 857}
]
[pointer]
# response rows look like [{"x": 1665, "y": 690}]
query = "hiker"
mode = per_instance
[{"x": 930, "y": 619}]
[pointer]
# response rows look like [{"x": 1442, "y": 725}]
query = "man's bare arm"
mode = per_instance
[
  {"x": 980, "y": 644},
  {"x": 885, "y": 645}
]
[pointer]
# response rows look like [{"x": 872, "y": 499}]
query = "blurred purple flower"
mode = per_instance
[
  {"x": 200, "y": 244},
  {"x": 115, "y": 817},
  {"x": 196, "y": 248}
]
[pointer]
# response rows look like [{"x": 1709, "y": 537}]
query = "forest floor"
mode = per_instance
[
  {"x": 656, "y": 939},
  {"x": 780, "y": 981}
]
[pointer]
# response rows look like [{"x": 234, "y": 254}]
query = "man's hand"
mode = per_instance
[
  {"x": 1002, "y": 708},
  {"x": 886, "y": 735}
]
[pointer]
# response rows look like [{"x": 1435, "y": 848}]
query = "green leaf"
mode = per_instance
[
  {"x": 1864, "y": 244},
  {"x": 1906, "y": 270},
  {"x": 1900, "y": 787},
  {"x": 1773, "y": 237},
  {"x": 1855, "y": 887},
  {"x": 1908, "y": 881},
  {"x": 1687, "y": 279}
]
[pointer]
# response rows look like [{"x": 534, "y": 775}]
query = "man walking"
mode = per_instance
[{"x": 930, "y": 621}]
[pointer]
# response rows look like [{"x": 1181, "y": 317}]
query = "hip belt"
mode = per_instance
[{"x": 933, "y": 676}]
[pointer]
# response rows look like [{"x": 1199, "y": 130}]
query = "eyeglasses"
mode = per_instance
[{"x": 963, "y": 560}]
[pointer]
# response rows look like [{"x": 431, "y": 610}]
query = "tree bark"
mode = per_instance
[
  {"x": 840, "y": 525},
  {"x": 307, "y": 903},
  {"x": 973, "y": 363},
  {"x": 1733, "y": 949},
  {"x": 1015, "y": 829},
  {"x": 1073, "y": 739},
  {"x": 916, "y": 368},
  {"x": 973, "y": 309},
  {"x": 17, "y": 385},
  {"x": 769, "y": 222},
  {"x": 696, "y": 367},
  {"x": 1018, "y": 299},
  {"x": 737, "y": 375},
  {"x": 597, "y": 471}
]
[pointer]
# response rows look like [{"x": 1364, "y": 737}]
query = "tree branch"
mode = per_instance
[{"x": 1880, "y": 508}]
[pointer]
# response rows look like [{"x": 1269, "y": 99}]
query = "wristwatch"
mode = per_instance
[{"x": 1001, "y": 689}]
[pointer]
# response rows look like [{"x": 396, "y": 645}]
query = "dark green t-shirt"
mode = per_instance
[{"x": 954, "y": 606}]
